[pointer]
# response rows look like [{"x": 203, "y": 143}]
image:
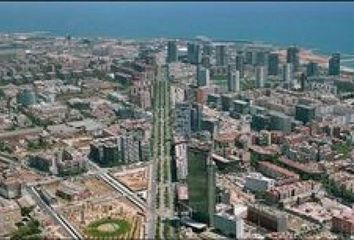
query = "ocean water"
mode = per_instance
[{"x": 324, "y": 26}]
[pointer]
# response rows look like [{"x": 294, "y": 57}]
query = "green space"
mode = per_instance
[
  {"x": 107, "y": 228},
  {"x": 342, "y": 148},
  {"x": 27, "y": 230},
  {"x": 37, "y": 145}
]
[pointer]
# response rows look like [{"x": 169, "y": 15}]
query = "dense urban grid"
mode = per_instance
[{"x": 173, "y": 139}]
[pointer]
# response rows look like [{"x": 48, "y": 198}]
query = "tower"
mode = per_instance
[
  {"x": 260, "y": 77},
  {"x": 203, "y": 76},
  {"x": 334, "y": 65},
  {"x": 273, "y": 64},
  {"x": 293, "y": 57},
  {"x": 240, "y": 64},
  {"x": 221, "y": 55},
  {"x": 312, "y": 69},
  {"x": 194, "y": 53},
  {"x": 201, "y": 181},
  {"x": 233, "y": 80},
  {"x": 287, "y": 73},
  {"x": 172, "y": 55}
]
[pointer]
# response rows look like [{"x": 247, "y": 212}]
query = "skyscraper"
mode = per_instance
[
  {"x": 303, "y": 80},
  {"x": 260, "y": 76},
  {"x": 183, "y": 119},
  {"x": 203, "y": 76},
  {"x": 293, "y": 57},
  {"x": 233, "y": 80},
  {"x": 196, "y": 117},
  {"x": 334, "y": 65},
  {"x": 287, "y": 73},
  {"x": 312, "y": 69},
  {"x": 194, "y": 53},
  {"x": 273, "y": 64},
  {"x": 221, "y": 55},
  {"x": 172, "y": 55},
  {"x": 261, "y": 58},
  {"x": 240, "y": 64},
  {"x": 201, "y": 181}
]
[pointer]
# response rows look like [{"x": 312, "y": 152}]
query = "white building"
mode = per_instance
[
  {"x": 260, "y": 77},
  {"x": 257, "y": 182}
]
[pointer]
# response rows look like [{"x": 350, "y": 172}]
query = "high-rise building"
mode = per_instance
[
  {"x": 303, "y": 81},
  {"x": 183, "y": 119},
  {"x": 233, "y": 80},
  {"x": 287, "y": 73},
  {"x": 249, "y": 58},
  {"x": 196, "y": 117},
  {"x": 240, "y": 64},
  {"x": 293, "y": 57},
  {"x": 261, "y": 58},
  {"x": 206, "y": 61},
  {"x": 201, "y": 181},
  {"x": 304, "y": 113},
  {"x": 221, "y": 55},
  {"x": 273, "y": 64},
  {"x": 172, "y": 54},
  {"x": 203, "y": 76},
  {"x": 334, "y": 65},
  {"x": 312, "y": 69},
  {"x": 194, "y": 53},
  {"x": 260, "y": 76},
  {"x": 207, "y": 49},
  {"x": 280, "y": 121}
]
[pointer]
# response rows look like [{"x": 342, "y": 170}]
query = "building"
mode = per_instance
[
  {"x": 312, "y": 69},
  {"x": 280, "y": 121},
  {"x": 221, "y": 55},
  {"x": 256, "y": 182},
  {"x": 240, "y": 64},
  {"x": 172, "y": 53},
  {"x": 267, "y": 217},
  {"x": 260, "y": 77},
  {"x": 304, "y": 113},
  {"x": 196, "y": 117},
  {"x": 240, "y": 107},
  {"x": 292, "y": 57},
  {"x": 334, "y": 65},
  {"x": 124, "y": 149},
  {"x": 343, "y": 223},
  {"x": 229, "y": 225},
  {"x": 183, "y": 119},
  {"x": 201, "y": 181},
  {"x": 293, "y": 191},
  {"x": 10, "y": 185},
  {"x": 27, "y": 97},
  {"x": 273, "y": 64},
  {"x": 203, "y": 76},
  {"x": 65, "y": 162},
  {"x": 281, "y": 174},
  {"x": 194, "y": 53},
  {"x": 288, "y": 73},
  {"x": 226, "y": 102},
  {"x": 233, "y": 80},
  {"x": 261, "y": 58}
]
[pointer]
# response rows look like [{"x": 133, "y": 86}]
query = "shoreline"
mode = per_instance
[{"x": 306, "y": 55}]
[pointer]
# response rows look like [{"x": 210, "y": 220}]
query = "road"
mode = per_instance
[
  {"x": 114, "y": 183},
  {"x": 160, "y": 200},
  {"x": 68, "y": 227}
]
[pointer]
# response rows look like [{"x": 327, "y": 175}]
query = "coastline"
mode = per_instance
[{"x": 306, "y": 55}]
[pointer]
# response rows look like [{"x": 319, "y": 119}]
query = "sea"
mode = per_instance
[{"x": 323, "y": 27}]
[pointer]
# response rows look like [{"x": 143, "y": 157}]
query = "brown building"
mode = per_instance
[
  {"x": 343, "y": 223},
  {"x": 283, "y": 175},
  {"x": 267, "y": 217}
]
